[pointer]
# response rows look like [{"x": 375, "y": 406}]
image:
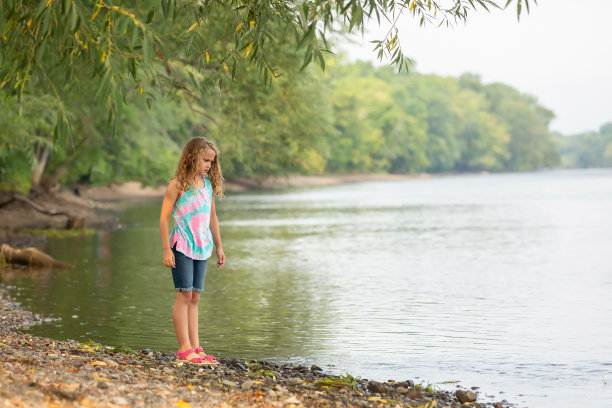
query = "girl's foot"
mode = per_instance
[
  {"x": 190, "y": 356},
  {"x": 206, "y": 357}
]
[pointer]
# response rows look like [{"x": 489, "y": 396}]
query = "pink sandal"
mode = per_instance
[
  {"x": 184, "y": 354},
  {"x": 207, "y": 358}
]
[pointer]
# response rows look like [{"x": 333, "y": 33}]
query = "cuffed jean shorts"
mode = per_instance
[{"x": 189, "y": 274}]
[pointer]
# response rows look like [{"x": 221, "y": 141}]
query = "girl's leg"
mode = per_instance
[
  {"x": 182, "y": 275},
  {"x": 192, "y": 311},
  {"x": 199, "y": 273},
  {"x": 180, "y": 317}
]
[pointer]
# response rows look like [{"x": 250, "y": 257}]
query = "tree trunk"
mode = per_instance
[{"x": 41, "y": 157}]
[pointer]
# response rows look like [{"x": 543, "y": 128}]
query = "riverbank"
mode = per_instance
[
  {"x": 135, "y": 189},
  {"x": 38, "y": 372},
  {"x": 86, "y": 208}
]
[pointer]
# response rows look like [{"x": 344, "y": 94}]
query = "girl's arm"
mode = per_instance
[
  {"x": 216, "y": 233},
  {"x": 172, "y": 193}
]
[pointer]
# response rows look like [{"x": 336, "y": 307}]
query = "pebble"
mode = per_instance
[
  {"x": 375, "y": 386},
  {"x": 296, "y": 381},
  {"x": 103, "y": 385},
  {"x": 406, "y": 384},
  {"x": 247, "y": 385},
  {"x": 119, "y": 401},
  {"x": 465, "y": 396},
  {"x": 413, "y": 394}
]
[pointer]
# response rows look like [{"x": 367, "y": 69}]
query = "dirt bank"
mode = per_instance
[{"x": 25, "y": 221}]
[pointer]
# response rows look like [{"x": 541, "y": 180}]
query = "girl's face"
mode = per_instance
[{"x": 205, "y": 161}]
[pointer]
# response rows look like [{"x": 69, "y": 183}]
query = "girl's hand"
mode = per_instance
[
  {"x": 221, "y": 257},
  {"x": 169, "y": 258}
]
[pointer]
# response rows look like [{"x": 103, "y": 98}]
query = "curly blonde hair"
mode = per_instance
[{"x": 188, "y": 164}]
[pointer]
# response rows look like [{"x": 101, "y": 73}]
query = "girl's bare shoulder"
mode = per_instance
[{"x": 173, "y": 188}]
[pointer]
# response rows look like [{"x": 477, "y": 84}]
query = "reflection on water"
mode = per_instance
[{"x": 501, "y": 281}]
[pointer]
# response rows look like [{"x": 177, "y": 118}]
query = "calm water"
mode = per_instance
[{"x": 498, "y": 281}]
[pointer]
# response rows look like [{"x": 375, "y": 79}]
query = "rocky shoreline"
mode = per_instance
[{"x": 38, "y": 371}]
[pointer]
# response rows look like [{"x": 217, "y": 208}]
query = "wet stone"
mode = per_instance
[{"x": 465, "y": 396}]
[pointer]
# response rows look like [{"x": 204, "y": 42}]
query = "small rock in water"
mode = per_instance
[
  {"x": 497, "y": 405},
  {"x": 315, "y": 368},
  {"x": 465, "y": 396}
]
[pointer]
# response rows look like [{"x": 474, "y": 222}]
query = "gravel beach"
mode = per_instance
[{"x": 42, "y": 372}]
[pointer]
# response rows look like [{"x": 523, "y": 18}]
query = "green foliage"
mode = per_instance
[
  {"x": 354, "y": 118},
  {"x": 431, "y": 389},
  {"x": 531, "y": 144},
  {"x": 159, "y": 46},
  {"x": 590, "y": 149},
  {"x": 406, "y": 123},
  {"x": 26, "y": 127}
]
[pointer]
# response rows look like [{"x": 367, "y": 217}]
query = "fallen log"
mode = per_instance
[{"x": 30, "y": 257}]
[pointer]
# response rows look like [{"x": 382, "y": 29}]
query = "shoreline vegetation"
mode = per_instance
[{"x": 43, "y": 372}]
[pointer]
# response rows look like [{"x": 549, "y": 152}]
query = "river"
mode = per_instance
[{"x": 501, "y": 281}]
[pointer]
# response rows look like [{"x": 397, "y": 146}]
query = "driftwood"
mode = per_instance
[
  {"x": 73, "y": 222},
  {"x": 30, "y": 257}
]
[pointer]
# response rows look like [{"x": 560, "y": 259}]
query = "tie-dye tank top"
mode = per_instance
[{"x": 191, "y": 232}]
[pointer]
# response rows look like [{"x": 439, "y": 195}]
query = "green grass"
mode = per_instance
[
  {"x": 120, "y": 349},
  {"x": 346, "y": 381},
  {"x": 432, "y": 389}
]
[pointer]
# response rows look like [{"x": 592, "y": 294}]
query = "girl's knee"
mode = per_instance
[
  {"x": 195, "y": 297},
  {"x": 183, "y": 297}
]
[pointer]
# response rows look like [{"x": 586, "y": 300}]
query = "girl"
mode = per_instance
[{"x": 190, "y": 199}]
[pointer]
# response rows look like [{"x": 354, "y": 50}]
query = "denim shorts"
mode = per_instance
[{"x": 189, "y": 274}]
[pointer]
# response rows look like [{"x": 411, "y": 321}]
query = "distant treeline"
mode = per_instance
[
  {"x": 590, "y": 149},
  {"x": 352, "y": 118}
]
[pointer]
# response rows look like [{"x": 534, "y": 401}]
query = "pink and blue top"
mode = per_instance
[{"x": 191, "y": 232}]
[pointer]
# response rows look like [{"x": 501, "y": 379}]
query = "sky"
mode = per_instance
[{"x": 561, "y": 53}]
